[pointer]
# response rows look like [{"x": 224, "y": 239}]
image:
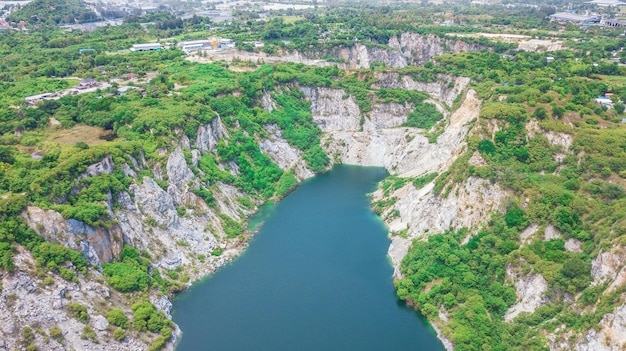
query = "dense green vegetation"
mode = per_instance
[
  {"x": 54, "y": 12},
  {"x": 577, "y": 190}
]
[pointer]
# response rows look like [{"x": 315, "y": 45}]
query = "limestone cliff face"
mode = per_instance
[
  {"x": 41, "y": 303},
  {"x": 161, "y": 215},
  {"x": 531, "y": 292},
  {"x": 610, "y": 337},
  {"x": 99, "y": 245},
  {"x": 422, "y": 48},
  {"x": 445, "y": 89},
  {"x": 403, "y": 151},
  {"x": 404, "y": 50},
  {"x": 401, "y": 51},
  {"x": 333, "y": 109},
  {"x": 421, "y": 212},
  {"x": 208, "y": 135},
  {"x": 362, "y": 56},
  {"x": 284, "y": 155}
]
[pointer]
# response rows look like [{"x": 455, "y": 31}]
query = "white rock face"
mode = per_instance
[
  {"x": 531, "y": 290},
  {"x": 445, "y": 89},
  {"x": 527, "y": 233},
  {"x": 99, "y": 245},
  {"x": 387, "y": 115},
  {"x": 333, "y": 110},
  {"x": 611, "y": 337},
  {"x": 402, "y": 150},
  {"x": 103, "y": 167},
  {"x": 26, "y": 301},
  {"x": 610, "y": 267},
  {"x": 178, "y": 172},
  {"x": 561, "y": 139},
  {"x": 422, "y": 212},
  {"x": 573, "y": 245},
  {"x": 208, "y": 135},
  {"x": 422, "y": 48},
  {"x": 551, "y": 233},
  {"x": 283, "y": 154}
]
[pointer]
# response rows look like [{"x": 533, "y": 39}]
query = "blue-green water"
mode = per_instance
[{"x": 315, "y": 277}]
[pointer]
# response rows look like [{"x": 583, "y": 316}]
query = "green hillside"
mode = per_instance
[{"x": 52, "y": 12}]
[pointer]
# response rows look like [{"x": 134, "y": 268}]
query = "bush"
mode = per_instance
[
  {"x": 79, "y": 311},
  {"x": 118, "y": 318},
  {"x": 56, "y": 333},
  {"x": 424, "y": 116},
  {"x": 119, "y": 334},
  {"x": 89, "y": 333},
  {"x": 487, "y": 147},
  {"x": 232, "y": 228},
  {"x": 147, "y": 318},
  {"x": 126, "y": 276}
]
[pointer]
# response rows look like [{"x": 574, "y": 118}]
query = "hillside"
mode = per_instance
[
  {"x": 505, "y": 202},
  {"x": 54, "y": 12}
]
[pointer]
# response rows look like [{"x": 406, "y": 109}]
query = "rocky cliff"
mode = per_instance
[
  {"x": 160, "y": 215},
  {"x": 37, "y": 309},
  {"x": 401, "y": 51}
]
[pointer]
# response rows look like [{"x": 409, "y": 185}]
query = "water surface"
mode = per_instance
[{"x": 315, "y": 277}]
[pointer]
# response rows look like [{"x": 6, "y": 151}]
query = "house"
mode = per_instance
[
  {"x": 614, "y": 23},
  {"x": 125, "y": 89},
  {"x": 549, "y": 59},
  {"x": 568, "y": 17},
  {"x": 604, "y": 101},
  {"x": 31, "y": 100},
  {"x": 87, "y": 83}
]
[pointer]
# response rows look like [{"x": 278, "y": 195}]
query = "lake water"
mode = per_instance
[{"x": 315, "y": 277}]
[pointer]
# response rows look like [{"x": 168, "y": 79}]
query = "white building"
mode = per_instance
[
  {"x": 193, "y": 45},
  {"x": 146, "y": 47}
]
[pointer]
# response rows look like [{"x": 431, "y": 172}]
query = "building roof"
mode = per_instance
[
  {"x": 572, "y": 17},
  {"x": 194, "y": 42},
  {"x": 606, "y": 3},
  {"x": 148, "y": 45}
]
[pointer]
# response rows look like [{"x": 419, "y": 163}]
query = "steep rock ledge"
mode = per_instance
[
  {"x": 41, "y": 303},
  {"x": 173, "y": 225},
  {"x": 402, "y": 151}
]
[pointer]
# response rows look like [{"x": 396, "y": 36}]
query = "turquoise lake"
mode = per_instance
[{"x": 315, "y": 277}]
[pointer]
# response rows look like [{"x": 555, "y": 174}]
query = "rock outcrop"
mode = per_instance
[
  {"x": 40, "y": 304},
  {"x": 445, "y": 88},
  {"x": 610, "y": 337},
  {"x": 333, "y": 110},
  {"x": 422, "y": 48},
  {"x": 99, "y": 245},
  {"x": 401, "y": 51},
  {"x": 404, "y": 151},
  {"x": 284, "y": 155},
  {"x": 209, "y": 134},
  {"x": 531, "y": 290}
]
